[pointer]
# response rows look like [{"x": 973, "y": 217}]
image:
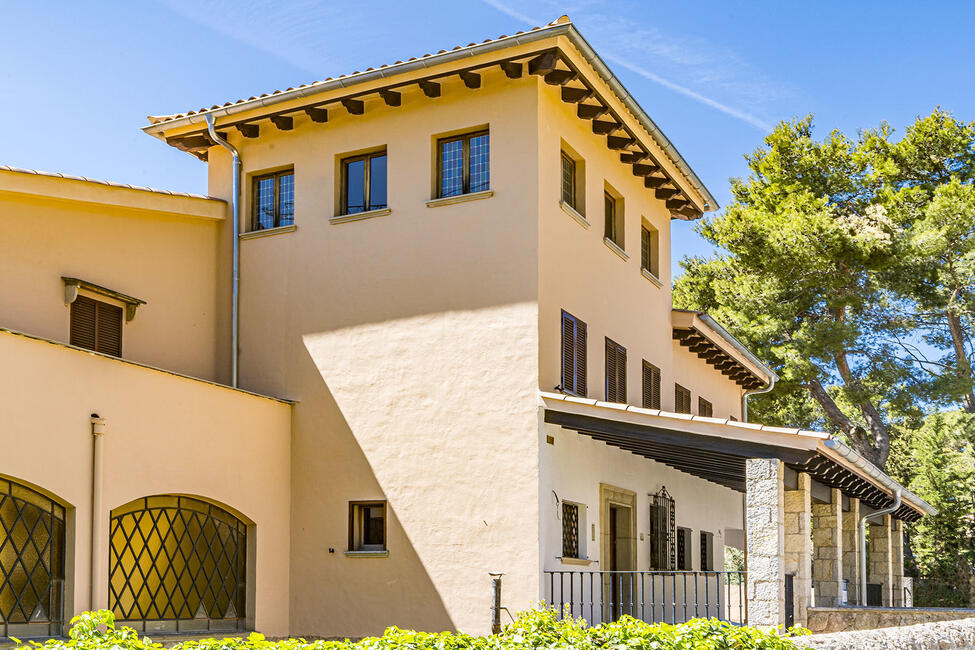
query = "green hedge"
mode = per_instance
[{"x": 532, "y": 629}]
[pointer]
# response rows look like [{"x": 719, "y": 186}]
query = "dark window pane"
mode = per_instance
[
  {"x": 568, "y": 181},
  {"x": 355, "y": 197},
  {"x": 264, "y": 202},
  {"x": 372, "y": 525},
  {"x": 452, "y": 168},
  {"x": 286, "y": 200},
  {"x": 480, "y": 177},
  {"x": 377, "y": 182}
]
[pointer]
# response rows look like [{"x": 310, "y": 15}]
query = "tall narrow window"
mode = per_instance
[
  {"x": 650, "y": 251},
  {"x": 707, "y": 551},
  {"x": 364, "y": 183},
  {"x": 663, "y": 531},
  {"x": 96, "y": 325},
  {"x": 463, "y": 164},
  {"x": 684, "y": 553},
  {"x": 570, "y": 530},
  {"x": 615, "y": 372},
  {"x": 569, "y": 181},
  {"x": 274, "y": 200},
  {"x": 704, "y": 407},
  {"x": 682, "y": 399},
  {"x": 367, "y": 526},
  {"x": 573, "y": 355},
  {"x": 614, "y": 219},
  {"x": 651, "y": 386}
]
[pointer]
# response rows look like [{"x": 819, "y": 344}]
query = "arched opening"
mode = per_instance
[
  {"x": 31, "y": 562},
  {"x": 177, "y": 564}
]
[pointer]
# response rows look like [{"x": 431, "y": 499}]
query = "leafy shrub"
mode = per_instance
[{"x": 532, "y": 629}]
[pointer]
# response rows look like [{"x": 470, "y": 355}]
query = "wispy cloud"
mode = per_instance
[{"x": 637, "y": 43}]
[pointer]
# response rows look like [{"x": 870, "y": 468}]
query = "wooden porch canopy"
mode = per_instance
[
  {"x": 551, "y": 64},
  {"x": 722, "y": 460}
]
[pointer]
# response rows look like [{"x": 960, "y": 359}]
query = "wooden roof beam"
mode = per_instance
[
  {"x": 511, "y": 69},
  {"x": 354, "y": 106},
  {"x": 391, "y": 97},
  {"x": 283, "y": 122},
  {"x": 249, "y": 130},
  {"x": 602, "y": 127},
  {"x": 429, "y": 88},
  {"x": 633, "y": 156},
  {"x": 666, "y": 192},
  {"x": 653, "y": 182},
  {"x": 543, "y": 63},
  {"x": 319, "y": 115},
  {"x": 560, "y": 77},
  {"x": 590, "y": 111},
  {"x": 643, "y": 169},
  {"x": 471, "y": 79},
  {"x": 571, "y": 95},
  {"x": 617, "y": 142}
]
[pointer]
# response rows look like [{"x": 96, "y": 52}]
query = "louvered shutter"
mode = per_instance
[
  {"x": 568, "y": 353},
  {"x": 621, "y": 374},
  {"x": 108, "y": 338},
  {"x": 580, "y": 359},
  {"x": 645, "y": 249},
  {"x": 611, "y": 394},
  {"x": 83, "y": 322},
  {"x": 651, "y": 386}
]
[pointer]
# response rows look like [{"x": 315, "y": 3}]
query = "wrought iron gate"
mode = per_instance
[
  {"x": 31, "y": 562},
  {"x": 177, "y": 564}
]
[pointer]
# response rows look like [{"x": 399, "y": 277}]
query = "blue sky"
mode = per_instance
[{"x": 79, "y": 78}]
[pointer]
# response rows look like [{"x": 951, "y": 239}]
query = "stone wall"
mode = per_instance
[
  {"x": 841, "y": 619},
  {"x": 944, "y": 635}
]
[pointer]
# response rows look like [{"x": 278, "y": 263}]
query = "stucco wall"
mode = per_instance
[
  {"x": 409, "y": 341},
  {"x": 155, "y": 247},
  {"x": 165, "y": 434},
  {"x": 579, "y": 273}
]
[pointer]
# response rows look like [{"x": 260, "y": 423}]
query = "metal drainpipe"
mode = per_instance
[
  {"x": 97, "y": 464},
  {"x": 235, "y": 289},
  {"x": 863, "y": 543},
  {"x": 749, "y": 393}
]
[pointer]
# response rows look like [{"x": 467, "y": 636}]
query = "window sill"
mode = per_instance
[
  {"x": 267, "y": 232},
  {"x": 359, "y": 216},
  {"x": 613, "y": 246},
  {"x": 460, "y": 198},
  {"x": 361, "y": 554},
  {"x": 572, "y": 212},
  {"x": 577, "y": 561},
  {"x": 654, "y": 279}
]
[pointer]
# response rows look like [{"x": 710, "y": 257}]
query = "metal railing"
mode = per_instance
[{"x": 651, "y": 596}]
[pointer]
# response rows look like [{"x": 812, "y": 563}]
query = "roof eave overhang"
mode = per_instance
[
  {"x": 566, "y": 29},
  {"x": 715, "y": 336}
]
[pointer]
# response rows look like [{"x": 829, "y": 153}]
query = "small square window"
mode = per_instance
[
  {"x": 463, "y": 164},
  {"x": 364, "y": 183},
  {"x": 274, "y": 200},
  {"x": 367, "y": 526}
]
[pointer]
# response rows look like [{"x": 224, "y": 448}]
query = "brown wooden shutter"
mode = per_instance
[
  {"x": 108, "y": 329},
  {"x": 704, "y": 407},
  {"x": 83, "y": 323},
  {"x": 645, "y": 249},
  {"x": 610, "y": 372},
  {"x": 568, "y": 353},
  {"x": 651, "y": 386},
  {"x": 621, "y": 374},
  {"x": 682, "y": 399},
  {"x": 580, "y": 359}
]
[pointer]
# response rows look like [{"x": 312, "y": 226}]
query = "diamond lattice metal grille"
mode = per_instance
[
  {"x": 31, "y": 561},
  {"x": 176, "y": 558}
]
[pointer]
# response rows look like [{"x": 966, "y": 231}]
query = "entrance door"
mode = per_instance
[{"x": 620, "y": 560}]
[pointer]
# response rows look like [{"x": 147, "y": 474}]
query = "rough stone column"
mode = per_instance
[
  {"x": 798, "y": 543},
  {"x": 851, "y": 551},
  {"x": 879, "y": 560},
  {"x": 827, "y": 570},
  {"x": 765, "y": 541},
  {"x": 897, "y": 563}
]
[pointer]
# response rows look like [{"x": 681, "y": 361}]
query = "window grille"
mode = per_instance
[
  {"x": 684, "y": 549},
  {"x": 175, "y": 558},
  {"x": 463, "y": 164},
  {"x": 31, "y": 562},
  {"x": 570, "y": 530},
  {"x": 663, "y": 522}
]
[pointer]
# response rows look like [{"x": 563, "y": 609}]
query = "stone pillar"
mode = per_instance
[
  {"x": 897, "y": 563},
  {"x": 798, "y": 543},
  {"x": 827, "y": 570},
  {"x": 879, "y": 560},
  {"x": 851, "y": 552},
  {"x": 764, "y": 542}
]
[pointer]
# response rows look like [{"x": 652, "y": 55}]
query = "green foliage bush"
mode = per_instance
[{"x": 532, "y": 629}]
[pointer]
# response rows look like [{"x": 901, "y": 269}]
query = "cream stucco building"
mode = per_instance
[{"x": 413, "y": 362}]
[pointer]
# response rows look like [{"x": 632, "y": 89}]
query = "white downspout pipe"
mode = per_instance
[
  {"x": 863, "y": 542},
  {"x": 757, "y": 391},
  {"x": 235, "y": 283},
  {"x": 97, "y": 474}
]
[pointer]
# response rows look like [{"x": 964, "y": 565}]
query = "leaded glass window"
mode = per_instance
[
  {"x": 177, "y": 564},
  {"x": 463, "y": 164},
  {"x": 568, "y": 180},
  {"x": 274, "y": 200},
  {"x": 31, "y": 562}
]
